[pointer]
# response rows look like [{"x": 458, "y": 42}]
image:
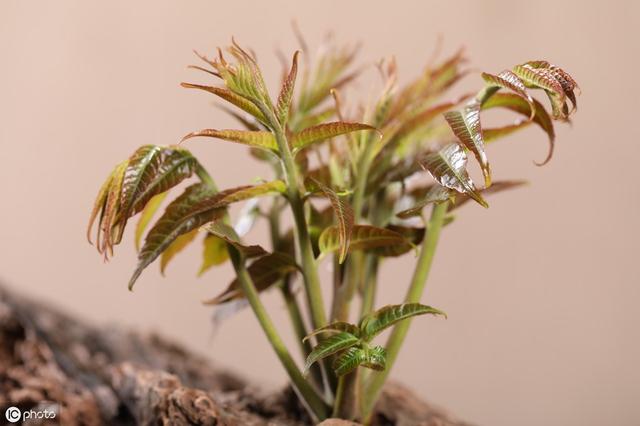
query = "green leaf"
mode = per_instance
[
  {"x": 229, "y": 96},
  {"x": 147, "y": 214},
  {"x": 373, "y": 324},
  {"x": 343, "y": 214},
  {"x": 265, "y": 272},
  {"x": 517, "y": 104},
  {"x": 349, "y": 360},
  {"x": 176, "y": 247},
  {"x": 466, "y": 126},
  {"x": 325, "y": 131},
  {"x": 449, "y": 168},
  {"x": 229, "y": 235},
  {"x": 363, "y": 237},
  {"x": 329, "y": 346},
  {"x": 257, "y": 139},
  {"x": 335, "y": 327},
  {"x": 375, "y": 358},
  {"x": 214, "y": 253},
  {"x": 183, "y": 215},
  {"x": 286, "y": 92}
]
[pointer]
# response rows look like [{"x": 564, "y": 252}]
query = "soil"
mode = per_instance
[{"x": 113, "y": 376}]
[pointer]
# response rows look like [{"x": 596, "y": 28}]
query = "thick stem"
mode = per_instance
[
  {"x": 420, "y": 275},
  {"x": 317, "y": 407}
]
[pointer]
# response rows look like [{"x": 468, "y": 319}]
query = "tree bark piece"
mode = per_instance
[{"x": 108, "y": 375}]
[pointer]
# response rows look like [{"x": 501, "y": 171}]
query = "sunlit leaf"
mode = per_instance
[
  {"x": 343, "y": 214},
  {"x": 335, "y": 327},
  {"x": 265, "y": 272},
  {"x": 214, "y": 253},
  {"x": 257, "y": 139},
  {"x": 363, "y": 237},
  {"x": 466, "y": 126},
  {"x": 286, "y": 92},
  {"x": 240, "y": 102},
  {"x": 325, "y": 131},
  {"x": 330, "y": 346},
  {"x": 176, "y": 247},
  {"x": 349, "y": 360},
  {"x": 449, "y": 168},
  {"x": 376, "y": 322},
  {"x": 147, "y": 214}
]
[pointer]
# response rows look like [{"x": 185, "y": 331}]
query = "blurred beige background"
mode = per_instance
[{"x": 543, "y": 310}]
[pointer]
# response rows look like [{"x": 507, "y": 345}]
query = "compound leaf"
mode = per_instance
[
  {"x": 363, "y": 237},
  {"x": 325, "y": 131},
  {"x": 373, "y": 324},
  {"x": 349, "y": 360}
]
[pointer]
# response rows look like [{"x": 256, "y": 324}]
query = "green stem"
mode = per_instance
[
  {"x": 370, "y": 285},
  {"x": 310, "y": 272},
  {"x": 314, "y": 403},
  {"x": 347, "y": 395},
  {"x": 293, "y": 308},
  {"x": 354, "y": 267},
  {"x": 420, "y": 275}
]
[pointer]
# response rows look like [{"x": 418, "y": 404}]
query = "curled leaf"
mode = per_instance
[
  {"x": 349, "y": 360},
  {"x": 343, "y": 214},
  {"x": 466, "y": 126},
  {"x": 517, "y": 104},
  {"x": 508, "y": 80},
  {"x": 329, "y": 346},
  {"x": 449, "y": 168}
]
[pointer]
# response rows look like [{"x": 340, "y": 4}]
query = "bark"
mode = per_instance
[{"x": 113, "y": 376}]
